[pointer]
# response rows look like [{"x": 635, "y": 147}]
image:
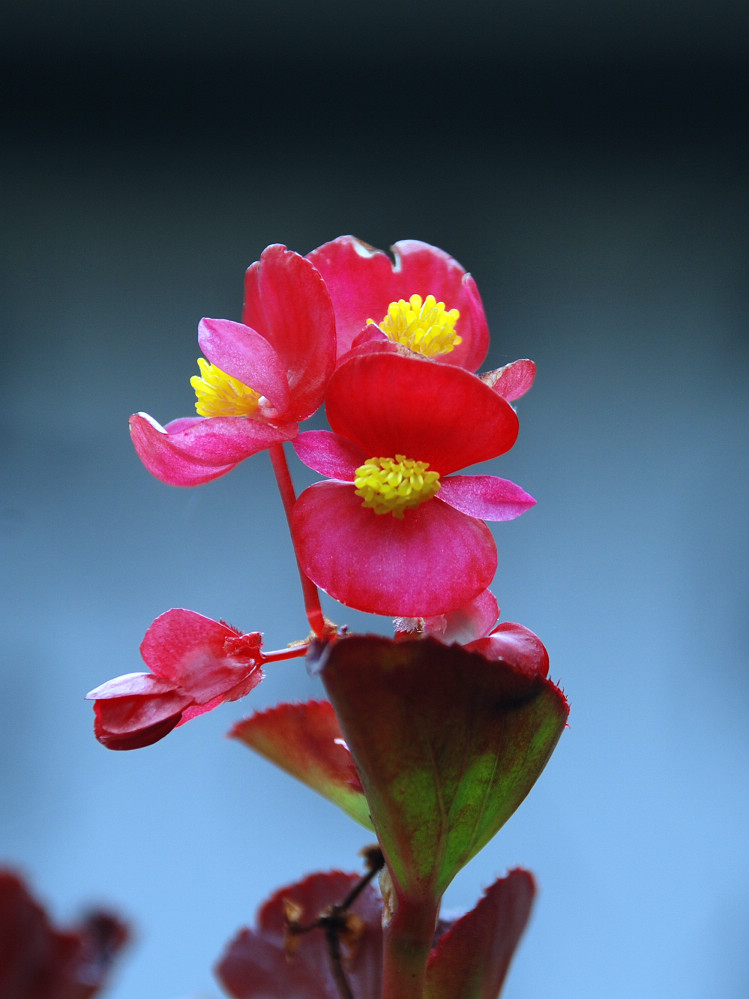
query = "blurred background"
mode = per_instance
[{"x": 588, "y": 163}]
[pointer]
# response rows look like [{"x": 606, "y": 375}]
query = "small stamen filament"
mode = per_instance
[
  {"x": 218, "y": 394},
  {"x": 394, "y": 485},
  {"x": 424, "y": 326}
]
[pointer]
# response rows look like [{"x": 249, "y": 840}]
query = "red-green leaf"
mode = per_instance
[
  {"x": 306, "y": 741},
  {"x": 471, "y": 959},
  {"x": 447, "y": 744}
]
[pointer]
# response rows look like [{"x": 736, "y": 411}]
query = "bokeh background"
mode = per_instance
[{"x": 587, "y": 162}]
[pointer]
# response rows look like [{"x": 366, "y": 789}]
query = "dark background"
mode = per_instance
[{"x": 587, "y": 162}]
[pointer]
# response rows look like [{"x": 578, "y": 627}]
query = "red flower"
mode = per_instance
[
  {"x": 364, "y": 283},
  {"x": 38, "y": 961},
  {"x": 196, "y": 664},
  {"x": 422, "y": 301},
  {"x": 390, "y": 532},
  {"x": 265, "y": 375}
]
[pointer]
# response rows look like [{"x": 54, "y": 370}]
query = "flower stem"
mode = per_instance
[
  {"x": 288, "y": 498},
  {"x": 408, "y": 941}
]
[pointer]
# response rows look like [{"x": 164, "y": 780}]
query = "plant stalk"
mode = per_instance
[{"x": 310, "y": 592}]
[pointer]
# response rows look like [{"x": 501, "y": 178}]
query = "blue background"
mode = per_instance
[{"x": 588, "y": 164}]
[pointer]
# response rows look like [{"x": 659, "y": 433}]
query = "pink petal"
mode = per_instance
[
  {"x": 485, "y": 496},
  {"x": 190, "y": 650},
  {"x": 514, "y": 644},
  {"x": 131, "y": 685},
  {"x": 467, "y": 623},
  {"x": 363, "y": 281},
  {"x": 389, "y": 404},
  {"x": 432, "y": 561},
  {"x": 329, "y": 454},
  {"x": 513, "y": 380},
  {"x": 244, "y": 354},
  {"x": 134, "y": 722},
  {"x": 287, "y": 302},
  {"x": 201, "y": 449}
]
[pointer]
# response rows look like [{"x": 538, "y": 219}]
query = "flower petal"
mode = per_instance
[
  {"x": 287, "y": 302},
  {"x": 134, "y": 722},
  {"x": 514, "y": 644},
  {"x": 513, "y": 380},
  {"x": 474, "y": 620},
  {"x": 389, "y": 404},
  {"x": 201, "y": 449},
  {"x": 190, "y": 650},
  {"x": 363, "y": 281},
  {"x": 329, "y": 454},
  {"x": 244, "y": 354},
  {"x": 432, "y": 561},
  {"x": 485, "y": 496}
]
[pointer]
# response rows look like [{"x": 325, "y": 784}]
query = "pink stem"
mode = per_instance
[{"x": 288, "y": 498}]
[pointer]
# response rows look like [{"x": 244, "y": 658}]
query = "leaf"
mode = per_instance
[
  {"x": 446, "y": 742},
  {"x": 471, "y": 959},
  {"x": 306, "y": 741}
]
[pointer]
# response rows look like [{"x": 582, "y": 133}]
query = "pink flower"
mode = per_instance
[
  {"x": 393, "y": 531},
  {"x": 364, "y": 283},
  {"x": 261, "y": 378},
  {"x": 196, "y": 664},
  {"x": 423, "y": 301}
]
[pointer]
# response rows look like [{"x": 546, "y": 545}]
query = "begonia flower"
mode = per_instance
[
  {"x": 261, "y": 377},
  {"x": 393, "y": 531},
  {"x": 422, "y": 301},
  {"x": 373, "y": 298},
  {"x": 41, "y": 961},
  {"x": 195, "y": 663}
]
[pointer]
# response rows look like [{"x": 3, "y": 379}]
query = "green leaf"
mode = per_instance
[
  {"x": 306, "y": 741},
  {"x": 447, "y": 744}
]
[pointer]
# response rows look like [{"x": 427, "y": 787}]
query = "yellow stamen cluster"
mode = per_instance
[
  {"x": 221, "y": 395},
  {"x": 424, "y": 326},
  {"x": 392, "y": 485}
]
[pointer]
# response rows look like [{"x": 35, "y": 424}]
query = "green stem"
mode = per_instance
[
  {"x": 310, "y": 593},
  {"x": 408, "y": 940}
]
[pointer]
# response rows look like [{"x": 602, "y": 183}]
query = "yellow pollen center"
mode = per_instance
[
  {"x": 424, "y": 326},
  {"x": 392, "y": 485},
  {"x": 218, "y": 394}
]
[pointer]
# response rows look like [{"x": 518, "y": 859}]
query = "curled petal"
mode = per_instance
[
  {"x": 131, "y": 685},
  {"x": 288, "y": 303},
  {"x": 244, "y": 354},
  {"x": 363, "y": 281},
  {"x": 474, "y": 620},
  {"x": 195, "y": 450},
  {"x": 134, "y": 722},
  {"x": 513, "y": 380},
  {"x": 516, "y": 645},
  {"x": 329, "y": 454},
  {"x": 389, "y": 404},
  {"x": 432, "y": 561},
  {"x": 485, "y": 496}
]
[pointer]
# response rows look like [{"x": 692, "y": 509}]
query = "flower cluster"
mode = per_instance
[{"x": 430, "y": 739}]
